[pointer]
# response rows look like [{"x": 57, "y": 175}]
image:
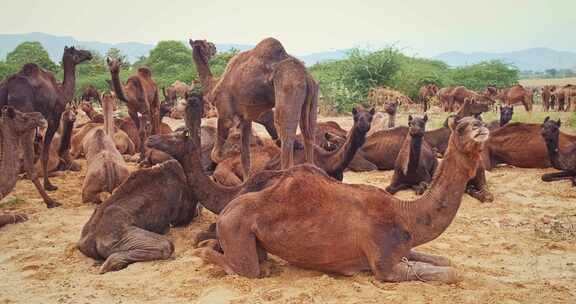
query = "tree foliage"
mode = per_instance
[{"x": 31, "y": 52}]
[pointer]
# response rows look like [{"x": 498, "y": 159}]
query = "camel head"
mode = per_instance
[
  {"x": 432, "y": 89},
  {"x": 113, "y": 64},
  {"x": 469, "y": 134},
  {"x": 76, "y": 56},
  {"x": 491, "y": 91},
  {"x": 109, "y": 98},
  {"x": 19, "y": 122},
  {"x": 206, "y": 50},
  {"x": 363, "y": 118},
  {"x": 332, "y": 141},
  {"x": 506, "y": 113},
  {"x": 550, "y": 130},
  {"x": 472, "y": 107},
  {"x": 176, "y": 144},
  {"x": 391, "y": 107},
  {"x": 417, "y": 125},
  {"x": 70, "y": 112}
]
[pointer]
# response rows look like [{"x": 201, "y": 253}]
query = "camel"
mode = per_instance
[
  {"x": 140, "y": 94},
  {"x": 426, "y": 92},
  {"x": 253, "y": 83},
  {"x": 452, "y": 98},
  {"x": 521, "y": 145},
  {"x": 122, "y": 141},
  {"x": 332, "y": 162},
  {"x": 175, "y": 91},
  {"x": 379, "y": 120},
  {"x": 506, "y": 113},
  {"x": 106, "y": 167},
  {"x": 128, "y": 227},
  {"x": 548, "y": 97},
  {"x": 36, "y": 90},
  {"x": 564, "y": 95},
  {"x": 89, "y": 110},
  {"x": 416, "y": 162},
  {"x": 564, "y": 161},
  {"x": 516, "y": 94},
  {"x": 15, "y": 130},
  {"x": 348, "y": 228},
  {"x": 90, "y": 93}
]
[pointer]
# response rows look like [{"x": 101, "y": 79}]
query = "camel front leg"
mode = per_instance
[
  {"x": 28, "y": 148},
  {"x": 428, "y": 258},
  {"x": 246, "y": 132},
  {"x": 52, "y": 128},
  {"x": 6, "y": 219}
]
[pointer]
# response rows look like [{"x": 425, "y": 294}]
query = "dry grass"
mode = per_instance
[{"x": 547, "y": 81}]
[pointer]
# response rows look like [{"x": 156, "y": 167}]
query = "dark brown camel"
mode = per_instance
[
  {"x": 90, "y": 93},
  {"x": 426, "y": 93},
  {"x": 128, "y": 227},
  {"x": 347, "y": 228},
  {"x": 506, "y": 113},
  {"x": 256, "y": 81},
  {"x": 516, "y": 94},
  {"x": 416, "y": 162},
  {"x": 140, "y": 94},
  {"x": 16, "y": 129},
  {"x": 565, "y": 161},
  {"x": 452, "y": 98},
  {"x": 548, "y": 97},
  {"x": 36, "y": 90}
]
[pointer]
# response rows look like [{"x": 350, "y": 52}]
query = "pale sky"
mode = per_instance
[{"x": 422, "y": 27}]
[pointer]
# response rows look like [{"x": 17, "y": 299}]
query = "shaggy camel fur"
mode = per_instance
[
  {"x": 106, "y": 167},
  {"x": 564, "y": 161},
  {"x": 416, "y": 162},
  {"x": 521, "y": 145},
  {"x": 506, "y": 113},
  {"x": 426, "y": 93},
  {"x": 516, "y": 94},
  {"x": 253, "y": 83},
  {"x": 15, "y": 130},
  {"x": 348, "y": 228},
  {"x": 141, "y": 97},
  {"x": 128, "y": 226},
  {"x": 36, "y": 90}
]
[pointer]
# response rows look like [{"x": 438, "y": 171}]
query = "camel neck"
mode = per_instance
[
  {"x": 414, "y": 155},
  {"x": 117, "y": 86},
  {"x": 553, "y": 153},
  {"x": 9, "y": 164},
  {"x": 431, "y": 214},
  {"x": 391, "y": 120},
  {"x": 204, "y": 72},
  {"x": 341, "y": 158},
  {"x": 69, "y": 82},
  {"x": 66, "y": 138},
  {"x": 108, "y": 117}
]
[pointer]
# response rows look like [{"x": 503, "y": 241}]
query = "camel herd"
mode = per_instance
[{"x": 281, "y": 195}]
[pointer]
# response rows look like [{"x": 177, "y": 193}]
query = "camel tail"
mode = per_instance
[{"x": 309, "y": 109}]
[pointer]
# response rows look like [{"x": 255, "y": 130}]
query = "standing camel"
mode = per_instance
[
  {"x": 517, "y": 94},
  {"x": 140, "y": 94},
  {"x": 253, "y": 83},
  {"x": 427, "y": 92},
  {"x": 35, "y": 90}
]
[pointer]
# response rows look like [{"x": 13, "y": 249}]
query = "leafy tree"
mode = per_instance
[
  {"x": 7, "y": 69},
  {"x": 31, "y": 52},
  {"x": 170, "y": 57},
  {"x": 477, "y": 76}
]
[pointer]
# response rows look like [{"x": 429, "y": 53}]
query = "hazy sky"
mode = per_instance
[{"x": 425, "y": 27}]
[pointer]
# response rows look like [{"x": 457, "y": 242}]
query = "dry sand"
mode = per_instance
[{"x": 519, "y": 249}]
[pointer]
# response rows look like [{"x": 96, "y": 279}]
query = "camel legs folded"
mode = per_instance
[
  {"x": 556, "y": 176},
  {"x": 428, "y": 258},
  {"x": 418, "y": 271},
  {"x": 209, "y": 234},
  {"x": 6, "y": 219},
  {"x": 138, "y": 245},
  {"x": 477, "y": 188}
]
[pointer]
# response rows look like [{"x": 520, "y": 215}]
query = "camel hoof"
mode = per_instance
[
  {"x": 50, "y": 187},
  {"x": 52, "y": 204}
]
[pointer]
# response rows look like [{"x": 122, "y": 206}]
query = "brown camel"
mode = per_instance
[
  {"x": 516, "y": 94},
  {"x": 565, "y": 161},
  {"x": 521, "y": 145},
  {"x": 90, "y": 93},
  {"x": 177, "y": 90},
  {"x": 141, "y": 97},
  {"x": 416, "y": 162},
  {"x": 106, "y": 167},
  {"x": 128, "y": 227},
  {"x": 548, "y": 97},
  {"x": 15, "y": 130},
  {"x": 564, "y": 96},
  {"x": 348, "y": 228},
  {"x": 253, "y": 83},
  {"x": 379, "y": 121},
  {"x": 36, "y": 90},
  {"x": 452, "y": 98},
  {"x": 426, "y": 93},
  {"x": 506, "y": 113}
]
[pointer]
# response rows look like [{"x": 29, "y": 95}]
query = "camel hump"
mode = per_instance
[
  {"x": 30, "y": 69},
  {"x": 145, "y": 72},
  {"x": 174, "y": 167},
  {"x": 270, "y": 49}
]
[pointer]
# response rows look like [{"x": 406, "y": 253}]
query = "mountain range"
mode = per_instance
[{"x": 535, "y": 59}]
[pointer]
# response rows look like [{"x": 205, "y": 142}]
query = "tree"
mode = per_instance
[
  {"x": 170, "y": 57},
  {"x": 31, "y": 52},
  {"x": 551, "y": 72},
  {"x": 117, "y": 54}
]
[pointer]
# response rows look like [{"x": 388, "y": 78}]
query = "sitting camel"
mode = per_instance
[
  {"x": 379, "y": 120},
  {"x": 106, "y": 167},
  {"x": 416, "y": 162},
  {"x": 15, "y": 130},
  {"x": 506, "y": 113},
  {"x": 128, "y": 226},
  {"x": 561, "y": 160},
  {"x": 347, "y": 228}
]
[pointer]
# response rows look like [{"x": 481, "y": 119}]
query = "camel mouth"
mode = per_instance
[{"x": 481, "y": 136}]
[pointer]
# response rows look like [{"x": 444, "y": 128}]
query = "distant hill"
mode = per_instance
[
  {"x": 55, "y": 45},
  {"x": 311, "y": 59},
  {"x": 535, "y": 59}
]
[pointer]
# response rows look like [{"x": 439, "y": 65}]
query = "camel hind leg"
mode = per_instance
[
  {"x": 138, "y": 245},
  {"x": 308, "y": 119}
]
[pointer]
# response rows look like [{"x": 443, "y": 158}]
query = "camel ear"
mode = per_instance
[
  {"x": 354, "y": 111},
  {"x": 547, "y": 118},
  {"x": 191, "y": 42},
  {"x": 372, "y": 111},
  {"x": 108, "y": 59},
  {"x": 409, "y": 118}
]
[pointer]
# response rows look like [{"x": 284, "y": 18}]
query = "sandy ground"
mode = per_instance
[{"x": 519, "y": 249}]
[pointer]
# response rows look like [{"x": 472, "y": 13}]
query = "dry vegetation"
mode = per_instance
[{"x": 549, "y": 81}]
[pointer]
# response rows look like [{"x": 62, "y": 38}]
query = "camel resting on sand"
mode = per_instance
[
  {"x": 315, "y": 222},
  {"x": 128, "y": 226}
]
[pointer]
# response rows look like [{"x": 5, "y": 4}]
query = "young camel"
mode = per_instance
[
  {"x": 348, "y": 228},
  {"x": 416, "y": 162},
  {"x": 141, "y": 96},
  {"x": 106, "y": 167},
  {"x": 16, "y": 129},
  {"x": 561, "y": 160},
  {"x": 253, "y": 83}
]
